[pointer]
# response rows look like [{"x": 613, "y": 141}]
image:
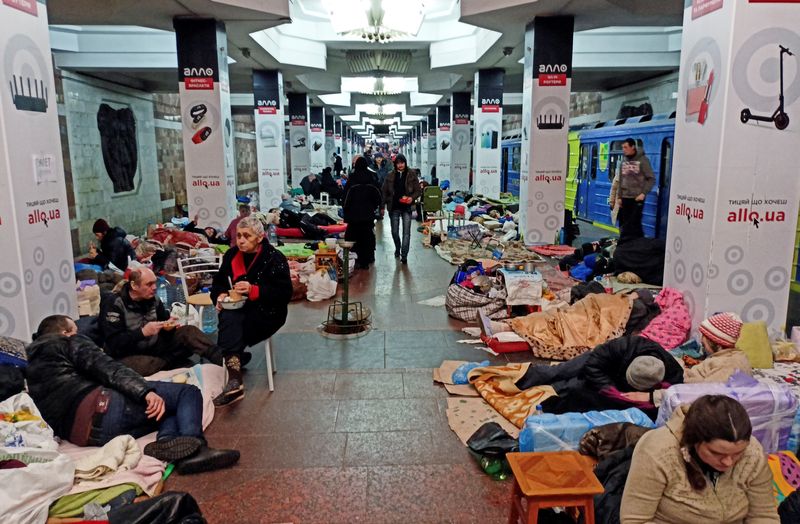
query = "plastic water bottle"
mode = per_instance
[
  {"x": 161, "y": 291},
  {"x": 539, "y": 410},
  {"x": 273, "y": 235},
  {"x": 209, "y": 321}
]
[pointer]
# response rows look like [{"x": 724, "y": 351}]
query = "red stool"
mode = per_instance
[{"x": 549, "y": 480}]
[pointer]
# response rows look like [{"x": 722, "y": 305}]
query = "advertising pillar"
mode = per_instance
[
  {"x": 337, "y": 139},
  {"x": 316, "y": 140},
  {"x": 423, "y": 149},
  {"x": 330, "y": 144},
  {"x": 412, "y": 148},
  {"x": 488, "y": 131},
  {"x": 268, "y": 99},
  {"x": 348, "y": 145},
  {"x": 734, "y": 192},
  {"x": 431, "y": 147},
  {"x": 545, "y": 125},
  {"x": 420, "y": 141},
  {"x": 298, "y": 137},
  {"x": 444, "y": 147},
  {"x": 36, "y": 270},
  {"x": 460, "y": 142},
  {"x": 206, "y": 120}
]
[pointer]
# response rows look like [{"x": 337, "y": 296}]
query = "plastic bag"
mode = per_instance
[
  {"x": 178, "y": 311},
  {"x": 22, "y": 426},
  {"x": 461, "y": 372},
  {"x": 320, "y": 286},
  {"x": 28, "y": 492}
]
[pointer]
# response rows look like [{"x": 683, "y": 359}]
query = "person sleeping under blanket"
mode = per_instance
[{"x": 617, "y": 374}]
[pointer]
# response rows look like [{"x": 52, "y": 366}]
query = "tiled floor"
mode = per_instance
[{"x": 355, "y": 431}]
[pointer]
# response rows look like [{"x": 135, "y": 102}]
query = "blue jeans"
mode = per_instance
[
  {"x": 183, "y": 415},
  {"x": 394, "y": 216}
]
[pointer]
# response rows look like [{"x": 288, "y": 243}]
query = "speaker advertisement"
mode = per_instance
[
  {"x": 316, "y": 140},
  {"x": 444, "y": 147},
  {"x": 734, "y": 192},
  {"x": 206, "y": 120},
  {"x": 460, "y": 142},
  {"x": 298, "y": 137},
  {"x": 268, "y": 99},
  {"x": 545, "y": 127},
  {"x": 37, "y": 278},
  {"x": 488, "y": 118},
  {"x": 330, "y": 144},
  {"x": 431, "y": 146}
]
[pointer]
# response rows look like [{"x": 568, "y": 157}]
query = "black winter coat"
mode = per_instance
[
  {"x": 412, "y": 189},
  {"x": 116, "y": 249},
  {"x": 362, "y": 199},
  {"x": 63, "y": 370},
  {"x": 267, "y": 308},
  {"x": 608, "y": 362}
]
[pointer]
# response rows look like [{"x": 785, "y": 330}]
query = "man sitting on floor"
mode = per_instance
[
  {"x": 136, "y": 329},
  {"x": 89, "y": 398}
]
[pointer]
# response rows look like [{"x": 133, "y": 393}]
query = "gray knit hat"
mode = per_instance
[{"x": 644, "y": 373}]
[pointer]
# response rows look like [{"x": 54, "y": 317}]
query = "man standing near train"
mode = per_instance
[{"x": 633, "y": 181}]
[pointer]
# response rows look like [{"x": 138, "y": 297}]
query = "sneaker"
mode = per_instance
[
  {"x": 172, "y": 449},
  {"x": 233, "y": 392},
  {"x": 208, "y": 459}
]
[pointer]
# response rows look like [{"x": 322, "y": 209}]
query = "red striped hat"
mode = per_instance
[{"x": 722, "y": 328}]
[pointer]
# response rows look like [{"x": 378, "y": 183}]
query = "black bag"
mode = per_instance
[
  {"x": 171, "y": 507},
  {"x": 491, "y": 440}
]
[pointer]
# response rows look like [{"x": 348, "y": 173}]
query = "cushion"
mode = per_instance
[{"x": 754, "y": 341}]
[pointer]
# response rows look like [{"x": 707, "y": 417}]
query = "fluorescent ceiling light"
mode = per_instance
[
  {"x": 404, "y": 17},
  {"x": 347, "y": 15}
]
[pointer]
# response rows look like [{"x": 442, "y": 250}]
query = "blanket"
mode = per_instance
[
  {"x": 120, "y": 454},
  {"x": 458, "y": 251},
  {"x": 672, "y": 326},
  {"x": 553, "y": 250},
  {"x": 563, "y": 334},
  {"x": 496, "y": 386}
]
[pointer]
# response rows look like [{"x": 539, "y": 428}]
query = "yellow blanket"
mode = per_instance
[
  {"x": 496, "y": 385},
  {"x": 563, "y": 334}
]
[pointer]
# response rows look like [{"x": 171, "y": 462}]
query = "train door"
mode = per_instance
[
  {"x": 582, "y": 189},
  {"x": 664, "y": 182},
  {"x": 504, "y": 168}
]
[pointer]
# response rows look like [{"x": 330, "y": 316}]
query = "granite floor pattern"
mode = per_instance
[{"x": 355, "y": 430}]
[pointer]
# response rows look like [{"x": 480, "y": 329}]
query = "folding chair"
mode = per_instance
[{"x": 198, "y": 267}]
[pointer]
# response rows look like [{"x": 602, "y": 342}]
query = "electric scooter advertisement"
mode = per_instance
[
  {"x": 206, "y": 121},
  {"x": 330, "y": 145},
  {"x": 488, "y": 129},
  {"x": 298, "y": 137},
  {"x": 268, "y": 99},
  {"x": 545, "y": 126},
  {"x": 734, "y": 196},
  {"x": 461, "y": 143},
  {"x": 316, "y": 140},
  {"x": 444, "y": 148},
  {"x": 38, "y": 279}
]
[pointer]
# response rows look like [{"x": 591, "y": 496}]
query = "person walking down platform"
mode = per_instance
[
  {"x": 633, "y": 182},
  {"x": 400, "y": 190},
  {"x": 362, "y": 199}
]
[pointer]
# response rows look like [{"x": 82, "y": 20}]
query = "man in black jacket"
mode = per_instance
[
  {"x": 114, "y": 247},
  {"x": 362, "y": 199},
  {"x": 138, "y": 331},
  {"x": 88, "y": 398}
]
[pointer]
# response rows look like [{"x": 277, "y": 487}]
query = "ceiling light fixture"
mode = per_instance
[{"x": 375, "y": 21}]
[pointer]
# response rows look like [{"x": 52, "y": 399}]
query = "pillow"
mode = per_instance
[{"x": 754, "y": 342}]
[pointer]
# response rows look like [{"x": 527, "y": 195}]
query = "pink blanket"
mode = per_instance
[{"x": 671, "y": 327}]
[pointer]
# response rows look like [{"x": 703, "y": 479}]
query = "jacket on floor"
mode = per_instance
[
  {"x": 412, "y": 188},
  {"x": 116, "y": 249},
  {"x": 658, "y": 491},
  {"x": 63, "y": 370},
  {"x": 122, "y": 320},
  {"x": 268, "y": 303}
]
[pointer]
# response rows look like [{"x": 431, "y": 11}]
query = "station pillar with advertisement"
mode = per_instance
[
  {"x": 330, "y": 144},
  {"x": 546, "y": 88},
  {"x": 37, "y": 277},
  {"x": 460, "y": 142},
  {"x": 298, "y": 137},
  {"x": 444, "y": 141},
  {"x": 268, "y": 101},
  {"x": 207, "y": 125},
  {"x": 316, "y": 140},
  {"x": 423, "y": 165},
  {"x": 735, "y": 190},
  {"x": 430, "y": 147},
  {"x": 488, "y": 118}
]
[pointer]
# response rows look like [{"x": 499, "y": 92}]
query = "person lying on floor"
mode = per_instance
[
  {"x": 703, "y": 466},
  {"x": 138, "y": 331},
  {"x": 89, "y": 398},
  {"x": 625, "y": 371}
]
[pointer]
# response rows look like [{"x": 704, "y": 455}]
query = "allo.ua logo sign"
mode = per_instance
[
  {"x": 198, "y": 78},
  {"x": 553, "y": 75}
]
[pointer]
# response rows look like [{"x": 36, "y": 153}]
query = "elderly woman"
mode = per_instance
[
  {"x": 260, "y": 275},
  {"x": 703, "y": 466}
]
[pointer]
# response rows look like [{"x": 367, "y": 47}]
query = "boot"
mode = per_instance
[
  {"x": 214, "y": 355},
  {"x": 208, "y": 459},
  {"x": 234, "y": 388},
  {"x": 172, "y": 449}
]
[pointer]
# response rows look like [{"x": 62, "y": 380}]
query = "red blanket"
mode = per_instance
[{"x": 295, "y": 232}]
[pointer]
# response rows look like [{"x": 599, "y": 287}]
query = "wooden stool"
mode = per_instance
[{"x": 549, "y": 480}]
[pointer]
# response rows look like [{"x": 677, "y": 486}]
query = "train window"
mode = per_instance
[
  {"x": 593, "y": 171},
  {"x": 666, "y": 165},
  {"x": 583, "y": 162},
  {"x": 515, "y": 158}
]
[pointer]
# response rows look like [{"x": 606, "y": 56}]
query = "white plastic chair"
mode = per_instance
[
  {"x": 200, "y": 265},
  {"x": 324, "y": 199}
]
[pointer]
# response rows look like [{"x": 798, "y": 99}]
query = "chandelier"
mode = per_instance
[{"x": 375, "y": 21}]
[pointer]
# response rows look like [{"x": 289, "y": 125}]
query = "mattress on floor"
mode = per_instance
[{"x": 296, "y": 232}]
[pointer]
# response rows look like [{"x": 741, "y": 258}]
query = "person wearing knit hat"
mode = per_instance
[
  {"x": 644, "y": 373},
  {"x": 114, "y": 247},
  {"x": 722, "y": 329}
]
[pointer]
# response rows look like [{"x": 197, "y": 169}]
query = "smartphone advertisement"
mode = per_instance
[{"x": 488, "y": 118}]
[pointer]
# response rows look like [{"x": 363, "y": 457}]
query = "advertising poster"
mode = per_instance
[
  {"x": 488, "y": 131},
  {"x": 348, "y": 146},
  {"x": 460, "y": 142},
  {"x": 268, "y": 97},
  {"x": 734, "y": 195},
  {"x": 432, "y": 143},
  {"x": 298, "y": 137},
  {"x": 424, "y": 166},
  {"x": 545, "y": 126},
  {"x": 37, "y": 278},
  {"x": 330, "y": 144},
  {"x": 316, "y": 140},
  {"x": 206, "y": 120},
  {"x": 444, "y": 144},
  {"x": 337, "y": 137},
  {"x": 412, "y": 149}
]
